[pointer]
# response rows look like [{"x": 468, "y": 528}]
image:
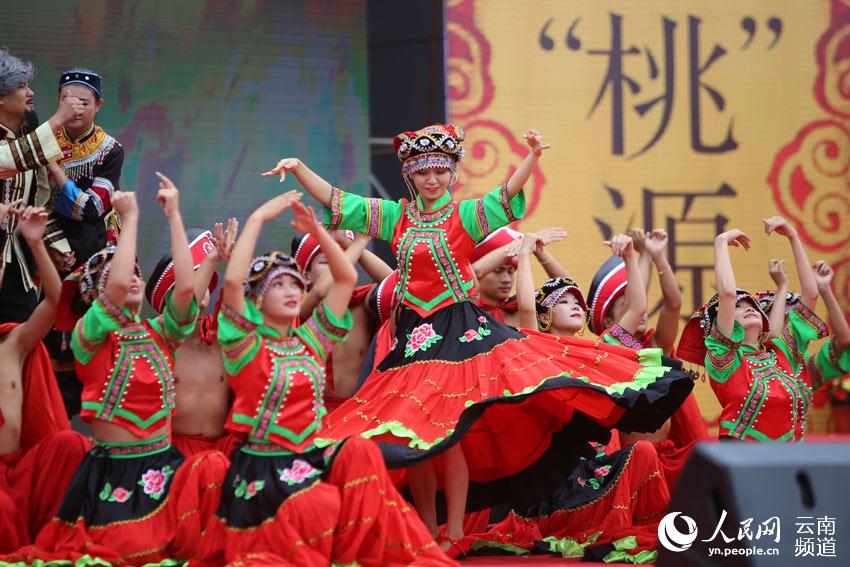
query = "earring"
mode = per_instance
[
  {"x": 410, "y": 188},
  {"x": 581, "y": 331}
]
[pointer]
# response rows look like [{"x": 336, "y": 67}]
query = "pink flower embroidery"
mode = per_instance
[
  {"x": 153, "y": 481},
  {"x": 581, "y": 481},
  {"x": 602, "y": 471},
  {"x": 299, "y": 472},
  {"x": 471, "y": 335},
  {"x": 421, "y": 338},
  {"x": 251, "y": 490},
  {"x": 120, "y": 495},
  {"x": 482, "y": 319}
]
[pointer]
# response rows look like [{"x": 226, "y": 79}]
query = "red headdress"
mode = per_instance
[
  {"x": 161, "y": 281},
  {"x": 494, "y": 241}
]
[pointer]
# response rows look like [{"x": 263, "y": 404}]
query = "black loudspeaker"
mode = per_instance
[{"x": 804, "y": 486}]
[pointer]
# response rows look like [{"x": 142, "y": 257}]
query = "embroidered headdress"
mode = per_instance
[
  {"x": 264, "y": 269},
  {"x": 692, "y": 344},
  {"x": 437, "y": 146},
  {"x": 548, "y": 296},
  {"x": 86, "y": 282}
]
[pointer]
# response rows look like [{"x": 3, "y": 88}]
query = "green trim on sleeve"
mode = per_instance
[
  {"x": 372, "y": 216},
  {"x": 723, "y": 355},
  {"x": 480, "y": 217}
]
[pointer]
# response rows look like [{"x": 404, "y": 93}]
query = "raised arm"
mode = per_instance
[
  {"x": 644, "y": 258},
  {"x": 243, "y": 251},
  {"x": 551, "y": 265},
  {"x": 33, "y": 221},
  {"x": 315, "y": 185},
  {"x": 671, "y": 306},
  {"x": 635, "y": 297},
  {"x": 808, "y": 285},
  {"x": 341, "y": 269},
  {"x": 123, "y": 262},
  {"x": 40, "y": 147},
  {"x": 777, "y": 311},
  {"x": 353, "y": 252},
  {"x": 523, "y": 172},
  {"x": 840, "y": 329},
  {"x": 527, "y": 310},
  {"x": 724, "y": 275},
  {"x": 168, "y": 198}
]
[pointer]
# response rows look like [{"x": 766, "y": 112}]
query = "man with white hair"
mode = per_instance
[{"x": 25, "y": 150}]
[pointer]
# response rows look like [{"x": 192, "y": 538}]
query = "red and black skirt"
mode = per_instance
[
  {"x": 337, "y": 504},
  {"x": 133, "y": 503},
  {"x": 607, "y": 511},
  {"x": 523, "y": 405}
]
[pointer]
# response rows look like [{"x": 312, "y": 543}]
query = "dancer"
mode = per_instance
[
  {"x": 617, "y": 312},
  {"x": 134, "y": 499},
  {"x": 500, "y": 407},
  {"x": 494, "y": 263},
  {"x": 759, "y": 381},
  {"x": 617, "y": 494},
  {"x": 202, "y": 397},
  {"x": 284, "y": 499},
  {"x": 38, "y": 451}
]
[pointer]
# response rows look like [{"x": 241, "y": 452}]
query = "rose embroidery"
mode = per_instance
[
  {"x": 116, "y": 494},
  {"x": 478, "y": 334},
  {"x": 247, "y": 490},
  {"x": 299, "y": 472},
  {"x": 421, "y": 339},
  {"x": 153, "y": 481},
  {"x": 599, "y": 473},
  {"x": 470, "y": 335}
]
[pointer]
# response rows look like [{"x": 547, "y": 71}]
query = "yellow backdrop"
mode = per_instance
[{"x": 691, "y": 116}]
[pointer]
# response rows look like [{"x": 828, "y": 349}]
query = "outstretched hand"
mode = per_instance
[
  {"x": 32, "y": 222},
  {"x": 778, "y": 225},
  {"x": 535, "y": 142},
  {"x": 168, "y": 196},
  {"x": 621, "y": 245},
  {"x": 735, "y": 237},
  {"x": 823, "y": 273},
  {"x": 225, "y": 238},
  {"x": 305, "y": 219},
  {"x": 124, "y": 203},
  {"x": 283, "y": 167},
  {"x": 656, "y": 242},
  {"x": 547, "y": 236},
  {"x": 777, "y": 272}
]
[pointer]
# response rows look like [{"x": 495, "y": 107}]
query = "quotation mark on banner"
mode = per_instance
[{"x": 750, "y": 25}]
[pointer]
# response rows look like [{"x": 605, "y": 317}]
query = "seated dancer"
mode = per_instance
[
  {"x": 617, "y": 494},
  {"x": 25, "y": 149},
  {"x": 38, "y": 452},
  {"x": 509, "y": 413},
  {"x": 284, "y": 500},
  {"x": 201, "y": 393},
  {"x": 617, "y": 313},
  {"x": 135, "y": 499},
  {"x": 759, "y": 381},
  {"x": 346, "y": 360},
  {"x": 86, "y": 177},
  {"x": 494, "y": 263}
]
